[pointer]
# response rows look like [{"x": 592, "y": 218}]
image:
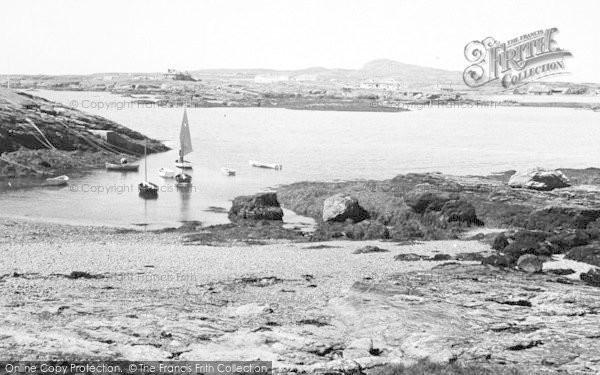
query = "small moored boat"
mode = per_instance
[
  {"x": 228, "y": 171},
  {"x": 148, "y": 189},
  {"x": 183, "y": 164},
  {"x": 123, "y": 166},
  {"x": 185, "y": 141},
  {"x": 166, "y": 173},
  {"x": 183, "y": 179},
  {"x": 57, "y": 181},
  {"x": 259, "y": 164}
]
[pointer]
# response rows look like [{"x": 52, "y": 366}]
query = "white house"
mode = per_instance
[{"x": 271, "y": 78}]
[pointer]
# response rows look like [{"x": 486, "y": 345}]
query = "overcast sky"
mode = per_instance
[{"x": 75, "y": 36}]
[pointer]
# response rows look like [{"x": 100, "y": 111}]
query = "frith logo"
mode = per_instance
[{"x": 526, "y": 58}]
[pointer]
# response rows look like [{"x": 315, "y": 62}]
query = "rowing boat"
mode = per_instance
[
  {"x": 57, "y": 181},
  {"x": 122, "y": 167},
  {"x": 259, "y": 164}
]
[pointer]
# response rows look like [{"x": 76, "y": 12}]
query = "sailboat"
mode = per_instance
[
  {"x": 185, "y": 141},
  {"x": 147, "y": 189}
]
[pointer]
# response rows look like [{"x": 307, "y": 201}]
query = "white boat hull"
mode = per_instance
[
  {"x": 259, "y": 164},
  {"x": 183, "y": 165},
  {"x": 166, "y": 173},
  {"x": 57, "y": 181}
]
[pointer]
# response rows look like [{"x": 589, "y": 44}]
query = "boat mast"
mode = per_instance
[
  {"x": 181, "y": 145},
  {"x": 145, "y": 161}
]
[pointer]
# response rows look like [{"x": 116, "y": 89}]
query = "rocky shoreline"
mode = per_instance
[
  {"x": 423, "y": 269},
  {"x": 449, "y": 292},
  {"x": 40, "y": 137},
  {"x": 87, "y": 293}
]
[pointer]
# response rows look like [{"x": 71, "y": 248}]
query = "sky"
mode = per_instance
[{"x": 95, "y": 36}]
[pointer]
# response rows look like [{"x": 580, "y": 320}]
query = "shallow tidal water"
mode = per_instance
[{"x": 311, "y": 145}]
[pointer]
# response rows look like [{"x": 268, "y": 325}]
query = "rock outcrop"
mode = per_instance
[
  {"x": 539, "y": 179},
  {"x": 592, "y": 277},
  {"x": 422, "y": 201},
  {"x": 460, "y": 211},
  {"x": 589, "y": 254},
  {"x": 411, "y": 206},
  {"x": 262, "y": 206},
  {"x": 343, "y": 207},
  {"x": 369, "y": 249},
  {"x": 65, "y": 128},
  {"x": 32, "y": 127},
  {"x": 530, "y": 263}
]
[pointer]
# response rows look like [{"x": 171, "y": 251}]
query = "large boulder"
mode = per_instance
[
  {"x": 343, "y": 207},
  {"x": 539, "y": 179},
  {"x": 499, "y": 260},
  {"x": 562, "y": 242},
  {"x": 589, "y": 254},
  {"x": 262, "y": 206},
  {"x": 526, "y": 242},
  {"x": 530, "y": 263}
]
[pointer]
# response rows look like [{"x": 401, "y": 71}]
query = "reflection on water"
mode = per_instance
[
  {"x": 311, "y": 145},
  {"x": 185, "y": 194}
]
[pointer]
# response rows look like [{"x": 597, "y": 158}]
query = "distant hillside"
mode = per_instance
[
  {"x": 408, "y": 73},
  {"x": 383, "y": 69}
]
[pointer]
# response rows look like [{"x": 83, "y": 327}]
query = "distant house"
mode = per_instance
[
  {"x": 388, "y": 84},
  {"x": 519, "y": 91},
  {"x": 271, "y": 78},
  {"x": 561, "y": 90},
  {"x": 176, "y": 75},
  {"x": 540, "y": 90}
]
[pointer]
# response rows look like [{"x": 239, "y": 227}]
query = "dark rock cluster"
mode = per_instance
[{"x": 262, "y": 206}]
